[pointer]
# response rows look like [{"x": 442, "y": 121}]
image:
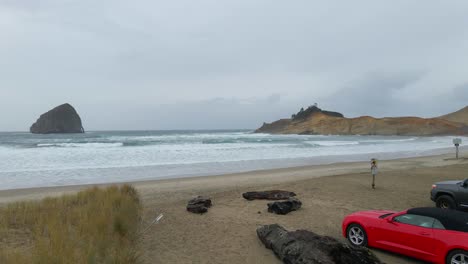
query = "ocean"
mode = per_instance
[{"x": 28, "y": 160}]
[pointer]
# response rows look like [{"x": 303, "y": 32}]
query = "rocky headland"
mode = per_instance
[
  {"x": 460, "y": 116},
  {"x": 61, "y": 119},
  {"x": 316, "y": 121}
]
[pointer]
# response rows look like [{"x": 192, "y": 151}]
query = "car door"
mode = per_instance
[
  {"x": 408, "y": 234},
  {"x": 462, "y": 195}
]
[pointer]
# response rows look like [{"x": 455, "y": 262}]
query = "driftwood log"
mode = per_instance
[
  {"x": 305, "y": 247},
  {"x": 199, "y": 205},
  {"x": 268, "y": 195},
  {"x": 284, "y": 207}
]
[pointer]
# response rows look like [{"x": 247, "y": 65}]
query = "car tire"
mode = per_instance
[
  {"x": 457, "y": 256},
  {"x": 445, "y": 202},
  {"x": 356, "y": 235}
]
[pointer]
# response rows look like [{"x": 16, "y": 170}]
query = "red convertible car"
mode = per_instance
[{"x": 430, "y": 234}]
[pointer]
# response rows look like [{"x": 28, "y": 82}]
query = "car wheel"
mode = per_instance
[
  {"x": 356, "y": 235},
  {"x": 457, "y": 257},
  {"x": 445, "y": 202}
]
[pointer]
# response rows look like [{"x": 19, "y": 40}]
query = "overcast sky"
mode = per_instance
[{"x": 229, "y": 64}]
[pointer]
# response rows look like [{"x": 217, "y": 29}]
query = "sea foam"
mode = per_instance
[{"x": 28, "y": 160}]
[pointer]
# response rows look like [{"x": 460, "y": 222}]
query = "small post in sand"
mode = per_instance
[
  {"x": 156, "y": 220},
  {"x": 457, "y": 142},
  {"x": 374, "y": 171}
]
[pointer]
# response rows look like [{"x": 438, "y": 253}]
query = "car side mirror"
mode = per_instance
[
  {"x": 465, "y": 183},
  {"x": 390, "y": 219}
]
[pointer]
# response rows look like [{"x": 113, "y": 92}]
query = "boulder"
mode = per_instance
[
  {"x": 284, "y": 207},
  {"x": 61, "y": 119},
  {"x": 268, "y": 195},
  {"x": 305, "y": 247},
  {"x": 199, "y": 205}
]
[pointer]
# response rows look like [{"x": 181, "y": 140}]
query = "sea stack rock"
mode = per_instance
[{"x": 61, "y": 119}]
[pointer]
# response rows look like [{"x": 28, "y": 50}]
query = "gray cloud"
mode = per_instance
[
  {"x": 216, "y": 113},
  {"x": 137, "y": 58},
  {"x": 460, "y": 94},
  {"x": 376, "y": 92}
]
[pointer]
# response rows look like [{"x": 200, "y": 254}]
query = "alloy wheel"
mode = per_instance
[
  {"x": 444, "y": 205},
  {"x": 459, "y": 259},
  {"x": 356, "y": 236}
]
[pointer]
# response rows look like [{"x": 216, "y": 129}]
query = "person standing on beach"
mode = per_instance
[{"x": 374, "y": 170}]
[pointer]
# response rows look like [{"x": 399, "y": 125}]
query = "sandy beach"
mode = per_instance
[
  {"x": 118, "y": 118},
  {"x": 226, "y": 234}
]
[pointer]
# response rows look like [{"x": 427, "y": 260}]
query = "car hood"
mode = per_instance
[
  {"x": 448, "y": 182},
  {"x": 373, "y": 213}
]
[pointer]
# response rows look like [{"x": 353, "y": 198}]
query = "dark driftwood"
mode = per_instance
[
  {"x": 268, "y": 195},
  {"x": 305, "y": 247},
  {"x": 284, "y": 207},
  {"x": 199, "y": 205}
]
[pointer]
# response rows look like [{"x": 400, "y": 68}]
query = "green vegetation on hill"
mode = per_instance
[
  {"x": 92, "y": 226},
  {"x": 303, "y": 114}
]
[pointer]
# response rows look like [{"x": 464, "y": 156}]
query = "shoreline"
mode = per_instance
[
  {"x": 255, "y": 177},
  {"x": 131, "y": 174},
  {"x": 113, "y": 157}
]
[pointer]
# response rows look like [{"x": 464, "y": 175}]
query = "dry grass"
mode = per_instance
[{"x": 93, "y": 226}]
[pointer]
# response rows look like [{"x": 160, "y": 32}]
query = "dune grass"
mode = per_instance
[{"x": 93, "y": 226}]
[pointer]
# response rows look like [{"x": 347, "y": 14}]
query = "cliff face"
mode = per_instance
[
  {"x": 323, "y": 124},
  {"x": 61, "y": 119}
]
